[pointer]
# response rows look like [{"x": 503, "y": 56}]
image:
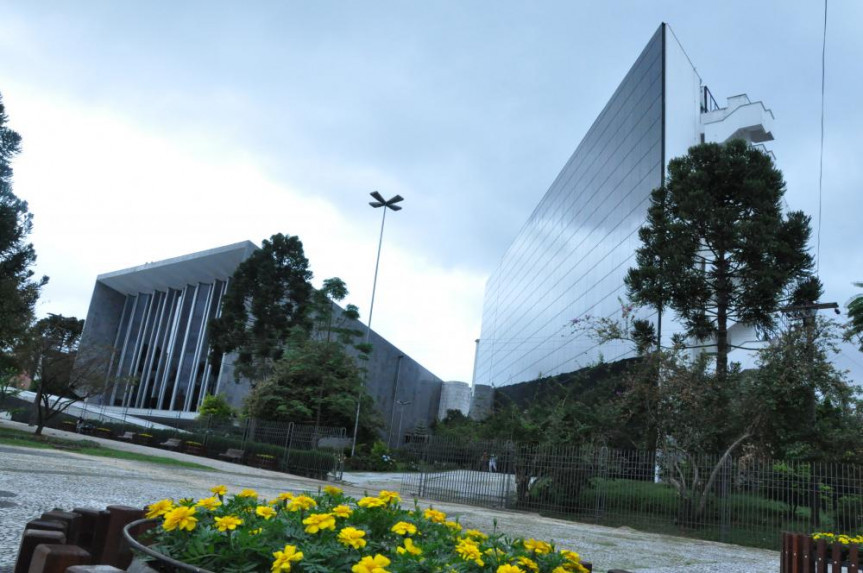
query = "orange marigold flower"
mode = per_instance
[
  {"x": 181, "y": 517},
  {"x": 374, "y": 564},
  {"x": 371, "y": 502},
  {"x": 352, "y": 537},
  {"x": 159, "y": 508},
  {"x": 285, "y": 557}
]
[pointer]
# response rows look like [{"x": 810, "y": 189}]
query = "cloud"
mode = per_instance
[{"x": 108, "y": 193}]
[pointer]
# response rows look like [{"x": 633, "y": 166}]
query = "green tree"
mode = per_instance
[
  {"x": 268, "y": 297},
  {"x": 294, "y": 390},
  {"x": 60, "y": 379},
  {"x": 330, "y": 321},
  {"x": 854, "y": 328},
  {"x": 807, "y": 408},
  {"x": 18, "y": 289},
  {"x": 8, "y": 385},
  {"x": 717, "y": 248}
]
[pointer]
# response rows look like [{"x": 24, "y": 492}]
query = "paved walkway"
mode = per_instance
[{"x": 33, "y": 481}]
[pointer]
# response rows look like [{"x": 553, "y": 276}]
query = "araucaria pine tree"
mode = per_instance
[
  {"x": 19, "y": 289},
  {"x": 717, "y": 248}
]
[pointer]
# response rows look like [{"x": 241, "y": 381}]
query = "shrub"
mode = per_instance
[
  {"x": 310, "y": 463},
  {"x": 216, "y": 408}
]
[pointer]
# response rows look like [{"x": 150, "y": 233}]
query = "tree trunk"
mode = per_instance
[
  {"x": 722, "y": 291},
  {"x": 37, "y": 409}
]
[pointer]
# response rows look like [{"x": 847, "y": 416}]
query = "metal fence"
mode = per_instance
[
  {"x": 743, "y": 500},
  {"x": 313, "y": 451}
]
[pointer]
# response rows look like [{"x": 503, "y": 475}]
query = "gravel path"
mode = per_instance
[{"x": 33, "y": 481}]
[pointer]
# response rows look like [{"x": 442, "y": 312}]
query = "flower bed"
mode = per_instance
[
  {"x": 820, "y": 552},
  {"x": 333, "y": 532},
  {"x": 194, "y": 448},
  {"x": 264, "y": 461}
]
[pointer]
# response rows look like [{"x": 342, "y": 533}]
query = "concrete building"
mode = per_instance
[
  {"x": 570, "y": 258},
  {"x": 149, "y": 324}
]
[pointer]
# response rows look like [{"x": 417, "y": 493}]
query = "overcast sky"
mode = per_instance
[{"x": 155, "y": 129}]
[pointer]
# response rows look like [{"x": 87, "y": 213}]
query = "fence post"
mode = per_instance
[
  {"x": 602, "y": 474},
  {"x": 289, "y": 439},
  {"x": 423, "y": 466},
  {"x": 246, "y": 432},
  {"x": 508, "y": 465},
  {"x": 724, "y": 505}
]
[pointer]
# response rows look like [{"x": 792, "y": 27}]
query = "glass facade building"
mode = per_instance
[{"x": 570, "y": 258}]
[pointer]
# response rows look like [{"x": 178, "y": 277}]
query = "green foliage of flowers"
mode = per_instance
[{"x": 330, "y": 532}]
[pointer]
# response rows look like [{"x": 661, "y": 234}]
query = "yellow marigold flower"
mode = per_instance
[
  {"x": 256, "y": 531},
  {"x": 302, "y": 502},
  {"x": 342, "y": 511},
  {"x": 509, "y": 569},
  {"x": 352, "y": 537},
  {"x": 434, "y": 515},
  {"x": 285, "y": 496},
  {"x": 529, "y": 563},
  {"x": 371, "y": 502},
  {"x": 332, "y": 490},
  {"x": 248, "y": 493},
  {"x": 452, "y": 525},
  {"x": 228, "y": 522},
  {"x": 409, "y": 548},
  {"x": 181, "y": 517},
  {"x": 265, "y": 511},
  {"x": 159, "y": 508},
  {"x": 389, "y": 496},
  {"x": 476, "y": 534},
  {"x": 540, "y": 547},
  {"x": 374, "y": 564},
  {"x": 559, "y": 569},
  {"x": 209, "y": 503},
  {"x": 219, "y": 489},
  {"x": 571, "y": 556},
  {"x": 469, "y": 551},
  {"x": 404, "y": 528},
  {"x": 285, "y": 557},
  {"x": 318, "y": 521}
]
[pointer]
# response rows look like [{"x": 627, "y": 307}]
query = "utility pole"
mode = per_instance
[{"x": 806, "y": 313}]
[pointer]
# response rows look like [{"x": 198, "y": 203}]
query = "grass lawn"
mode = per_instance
[{"x": 12, "y": 437}]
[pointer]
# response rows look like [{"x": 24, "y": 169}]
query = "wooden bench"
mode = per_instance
[
  {"x": 127, "y": 437},
  {"x": 171, "y": 444},
  {"x": 233, "y": 455}
]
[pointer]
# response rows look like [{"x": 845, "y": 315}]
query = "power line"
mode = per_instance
[{"x": 821, "y": 158}]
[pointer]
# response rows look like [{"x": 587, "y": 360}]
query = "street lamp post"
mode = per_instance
[
  {"x": 401, "y": 415},
  {"x": 378, "y": 202}
]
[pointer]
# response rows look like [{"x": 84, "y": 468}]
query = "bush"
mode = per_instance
[
  {"x": 310, "y": 463},
  {"x": 216, "y": 408},
  {"x": 378, "y": 460}
]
